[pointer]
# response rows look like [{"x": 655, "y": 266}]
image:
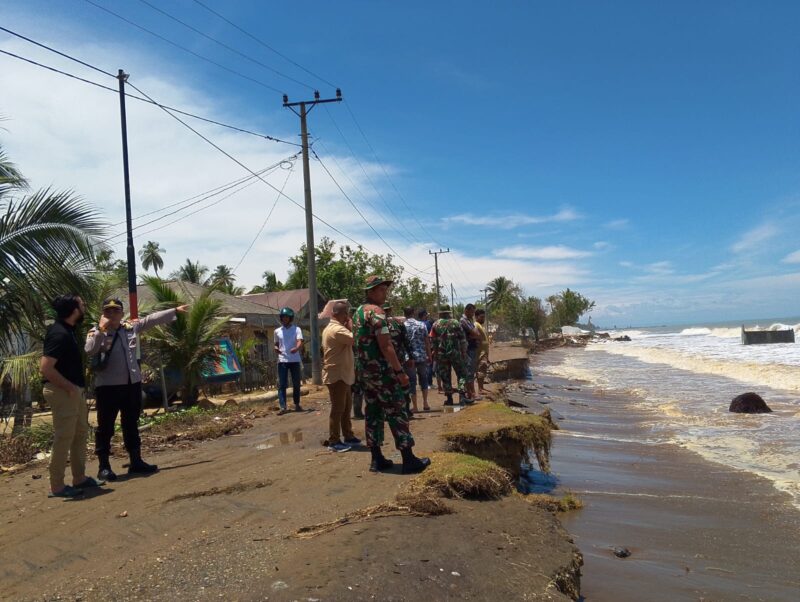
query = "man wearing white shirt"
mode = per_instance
[{"x": 289, "y": 346}]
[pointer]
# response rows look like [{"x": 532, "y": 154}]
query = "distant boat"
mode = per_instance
[{"x": 763, "y": 337}]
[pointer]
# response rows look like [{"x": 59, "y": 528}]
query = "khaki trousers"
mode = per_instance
[
  {"x": 341, "y": 407},
  {"x": 70, "y": 429}
]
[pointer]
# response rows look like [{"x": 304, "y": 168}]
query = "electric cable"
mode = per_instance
[
  {"x": 188, "y": 50},
  {"x": 264, "y": 44},
  {"x": 366, "y": 221},
  {"x": 266, "y": 219},
  {"x": 224, "y": 45},
  {"x": 139, "y": 98}
]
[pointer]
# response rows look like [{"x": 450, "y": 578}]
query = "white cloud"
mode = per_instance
[
  {"x": 792, "y": 258},
  {"x": 659, "y": 267},
  {"x": 601, "y": 245},
  {"x": 617, "y": 224},
  {"x": 550, "y": 253},
  {"x": 514, "y": 220},
  {"x": 753, "y": 239}
]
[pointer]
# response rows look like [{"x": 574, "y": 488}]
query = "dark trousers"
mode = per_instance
[
  {"x": 284, "y": 369},
  {"x": 113, "y": 400}
]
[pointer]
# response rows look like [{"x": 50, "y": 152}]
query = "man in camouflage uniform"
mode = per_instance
[
  {"x": 399, "y": 336},
  {"x": 382, "y": 380},
  {"x": 449, "y": 350}
]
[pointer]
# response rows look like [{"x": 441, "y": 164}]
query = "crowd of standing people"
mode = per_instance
[
  {"x": 386, "y": 359},
  {"x": 370, "y": 358}
]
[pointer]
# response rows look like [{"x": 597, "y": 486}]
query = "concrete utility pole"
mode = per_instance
[
  {"x": 313, "y": 309},
  {"x": 436, "y": 263},
  {"x": 452, "y": 297},
  {"x": 132, "y": 296}
]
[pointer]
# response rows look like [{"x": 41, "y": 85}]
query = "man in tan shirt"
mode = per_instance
[{"x": 338, "y": 373}]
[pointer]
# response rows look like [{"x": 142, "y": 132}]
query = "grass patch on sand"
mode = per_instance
[
  {"x": 23, "y": 448},
  {"x": 565, "y": 503},
  {"x": 480, "y": 429},
  {"x": 457, "y": 475}
]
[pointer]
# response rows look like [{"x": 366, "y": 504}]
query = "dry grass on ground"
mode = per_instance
[
  {"x": 565, "y": 503},
  {"x": 486, "y": 424},
  {"x": 461, "y": 475}
]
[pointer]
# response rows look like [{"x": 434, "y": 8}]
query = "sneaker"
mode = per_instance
[
  {"x": 282, "y": 411},
  {"x": 353, "y": 441},
  {"x": 339, "y": 447},
  {"x": 67, "y": 492},
  {"x": 89, "y": 483},
  {"x": 106, "y": 474}
]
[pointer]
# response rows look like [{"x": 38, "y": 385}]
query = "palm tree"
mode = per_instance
[
  {"x": 47, "y": 242},
  {"x": 150, "y": 254},
  {"x": 222, "y": 278},
  {"x": 502, "y": 291},
  {"x": 190, "y": 342},
  {"x": 191, "y": 272}
]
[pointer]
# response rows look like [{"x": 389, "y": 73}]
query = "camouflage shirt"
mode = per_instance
[
  {"x": 448, "y": 339},
  {"x": 368, "y": 322},
  {"x": 397, "y": 330}
]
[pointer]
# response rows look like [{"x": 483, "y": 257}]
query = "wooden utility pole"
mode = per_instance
[
  {"x": 436, "y": 263},
  {"x": 313, "y": 309}
]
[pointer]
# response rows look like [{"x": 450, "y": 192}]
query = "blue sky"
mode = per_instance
[{"x": 645, "y": 154}]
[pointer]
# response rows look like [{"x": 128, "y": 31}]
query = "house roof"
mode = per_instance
[
  {"x": 297, "y": 299},
  {"x": 188, "y": 291}
]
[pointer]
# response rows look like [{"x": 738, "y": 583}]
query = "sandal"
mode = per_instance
[{"x": 67, "y": 492}]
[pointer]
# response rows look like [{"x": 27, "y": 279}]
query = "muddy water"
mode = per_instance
[{"x": 697, "y": 530}]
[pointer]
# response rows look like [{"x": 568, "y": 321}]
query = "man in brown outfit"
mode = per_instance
[{"x": 338, "y": 374}]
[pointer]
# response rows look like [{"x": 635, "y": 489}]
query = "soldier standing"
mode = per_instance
[
  {"x": 402, "y": 349},
  {"x": 382, "y": 380},
  {"x": 449, "y": 350}
]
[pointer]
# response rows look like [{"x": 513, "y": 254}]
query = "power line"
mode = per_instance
[
  {"x": 176, "y": 45},
  {"x": 266, "y": 219},
  {"x": 264, "y": 44},
  {"x": 246, "y": 168},
  {"x": 72, "y": 58},
  {"x": 139, "y": 98},
  {"x": 366, "y": 221},
  {"x": 205, "y": 196},
  {"x": 369, "y": 179},
  {"x": 224, "y": 45}
]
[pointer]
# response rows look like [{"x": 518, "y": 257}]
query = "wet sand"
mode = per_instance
[{"x": 697, "y": 530}]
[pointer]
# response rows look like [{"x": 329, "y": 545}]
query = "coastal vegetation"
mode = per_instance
[{"x": 462, "y": 475}]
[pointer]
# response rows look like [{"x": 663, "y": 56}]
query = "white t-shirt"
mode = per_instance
[{"x": 286, "y": 337}]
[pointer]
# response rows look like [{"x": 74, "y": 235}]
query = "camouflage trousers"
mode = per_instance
[
  {"x": 386, "y": 403},
  {"x": 444, "y": 365}
]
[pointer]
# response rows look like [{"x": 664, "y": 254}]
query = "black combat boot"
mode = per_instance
[
  {"x": 104, "y": 472},
  {"x": 357, "y": 403},
  {"x": 448, "y": 400},
  {"x": 139, "y": 466},
  {"x": 378, "y": 461},
  {"x": 412, "y": 464}
]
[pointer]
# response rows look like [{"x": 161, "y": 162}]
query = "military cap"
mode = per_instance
[
  {"x": 375, "y": 280},
  {"x": 113, "y": 303}
]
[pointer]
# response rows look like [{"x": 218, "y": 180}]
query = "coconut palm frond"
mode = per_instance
[{"x": 20, "y": 370}]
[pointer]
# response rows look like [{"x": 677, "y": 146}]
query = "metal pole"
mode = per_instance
[
  {"x": 132, "y": 297},
  {"x": 316, "y": 359},
  {"x": 438, "y": 295}
]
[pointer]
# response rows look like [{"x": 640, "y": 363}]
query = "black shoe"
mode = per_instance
[
  {"x": 106, "y": 474},
  {"x": 298, "y": 409},
  {"x": 379, "y": 463},
  {"x": 448, "y": 401},
  {"x": 412, "y": 464},
  {"x": 139, "y": 466}
]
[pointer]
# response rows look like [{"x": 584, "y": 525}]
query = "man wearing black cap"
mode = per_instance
[
  {"x": 112, "y": 345},
  {"x": 383, "y": 380}
]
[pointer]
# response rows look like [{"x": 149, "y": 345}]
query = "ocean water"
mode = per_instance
[{"x": 685, "y": 378}]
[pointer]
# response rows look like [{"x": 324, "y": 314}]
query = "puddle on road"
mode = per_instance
[{"x": 282, "y": 438}]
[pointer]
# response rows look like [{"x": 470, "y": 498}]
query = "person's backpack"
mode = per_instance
[{"x": 99, "y": 362}]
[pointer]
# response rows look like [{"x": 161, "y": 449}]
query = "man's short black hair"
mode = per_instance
[
  {"x": 469, "y": 306},
  {"x": 64, "y": 305},
  {"x": 408, "y": 312},
  {"x": 480, "y": 312},
  {"x": 422, "y": 313}
]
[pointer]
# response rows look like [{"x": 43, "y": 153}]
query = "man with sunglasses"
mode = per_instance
[{"x": 118, "y": 382}]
